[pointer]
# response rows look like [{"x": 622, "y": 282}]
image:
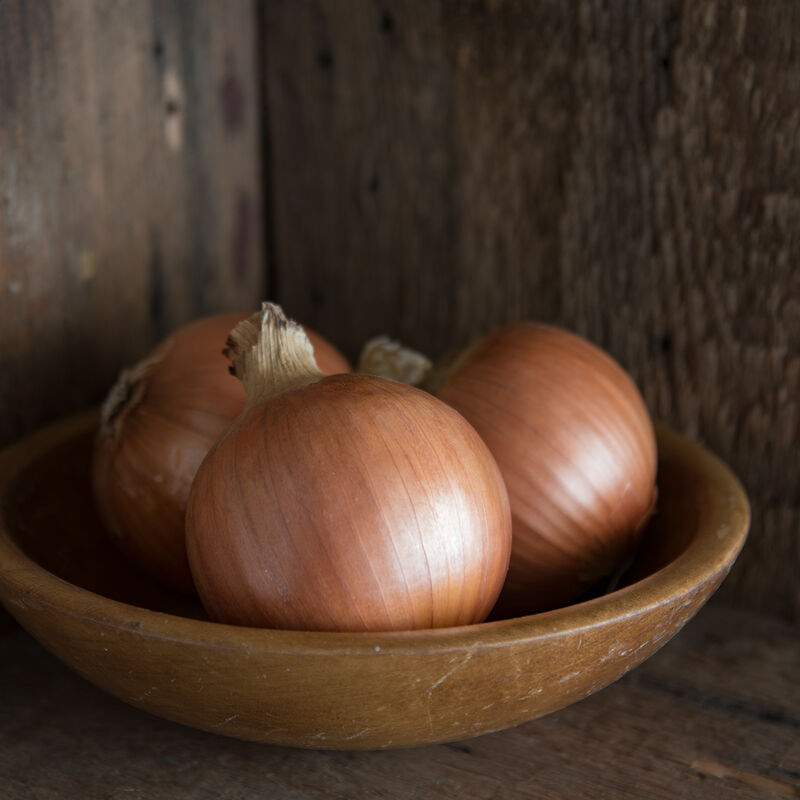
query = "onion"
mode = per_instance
[
  {"x": 157, "y": 424},
  {"x": 576, "y": 447},
  {"x": 343, "y": 503}
]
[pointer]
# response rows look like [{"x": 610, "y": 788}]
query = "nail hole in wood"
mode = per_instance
[
  {"x": 387, "y": 23},
  {"x": 325, "y": 58}
]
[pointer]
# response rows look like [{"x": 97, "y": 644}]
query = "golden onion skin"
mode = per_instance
[
  {"x": 350, "y": 504},
  {"x": 576, "y": 447},
  {"x": 159, "y": 422}
]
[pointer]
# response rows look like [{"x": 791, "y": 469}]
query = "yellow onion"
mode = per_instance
[
  {"x": 576, "y": 447},
  {"x": 157, "y": 424},
  {"x": 343, "y": 503}
]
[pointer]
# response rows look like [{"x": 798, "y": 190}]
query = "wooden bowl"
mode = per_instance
[{"x": 73, "y": 592}]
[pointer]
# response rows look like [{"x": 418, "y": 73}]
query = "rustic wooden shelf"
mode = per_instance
[{"x": 716, "y": 713}]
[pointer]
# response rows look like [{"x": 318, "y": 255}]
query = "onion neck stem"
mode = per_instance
[
  {"x": 386, "y": 358},
  {"x": 126, "y": 394},
  {"x": 271, "y": 354}
]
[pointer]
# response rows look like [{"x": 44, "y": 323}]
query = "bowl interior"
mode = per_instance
[{"x": 53, "y": 520}]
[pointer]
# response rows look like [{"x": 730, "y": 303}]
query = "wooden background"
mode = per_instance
[{"x": 427, "y": 170}]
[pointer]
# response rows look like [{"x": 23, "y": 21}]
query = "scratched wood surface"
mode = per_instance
[
  {"x": 630, "y": 171},
  {"x": 715, "y": 714},
  {"x": 130, "y": 197}
]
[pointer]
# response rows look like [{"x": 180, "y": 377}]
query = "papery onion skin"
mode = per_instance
[
  {"x": 575, "y": 444},
  {"x": 350, "y": 504},
  {"x": 159, "y": 422}
]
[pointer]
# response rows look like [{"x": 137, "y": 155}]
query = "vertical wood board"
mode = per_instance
[{"x": 130, "y": 197}]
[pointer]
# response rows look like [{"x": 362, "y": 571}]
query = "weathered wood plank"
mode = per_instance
[
  {"x": 715, "y": 714},
  {"x": 629, "y": 171},
  {"x": 130, "y": 195},
  {"x": 360, "y": 165}
]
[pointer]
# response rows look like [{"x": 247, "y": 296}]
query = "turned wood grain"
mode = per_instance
[
  {"x": 629, "y": 171},
  {"x": 715, "y": 714},
  {"x": 130, "y": 198}
]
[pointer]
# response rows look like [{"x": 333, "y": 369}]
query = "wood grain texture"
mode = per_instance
[
  {"x": 630, "y": 172},
  {"x": 359, "y": 162},
  {"x": 715, "y": 714},
  {"x": 130, "y": 197}
]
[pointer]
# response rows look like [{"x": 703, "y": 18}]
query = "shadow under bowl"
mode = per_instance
[{"x": 70, "y": 589}]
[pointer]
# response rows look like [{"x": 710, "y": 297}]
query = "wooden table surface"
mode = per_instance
[{"x": 715, "y": 713}]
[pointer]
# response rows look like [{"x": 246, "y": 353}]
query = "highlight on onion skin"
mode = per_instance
[
  {"x": 576, "y": 447},
  {"x": 158, "y": 423},
  {"x": 343, "y": 503}
]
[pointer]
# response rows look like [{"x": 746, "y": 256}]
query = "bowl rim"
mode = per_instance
[{"x": 707, "y": 558}]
